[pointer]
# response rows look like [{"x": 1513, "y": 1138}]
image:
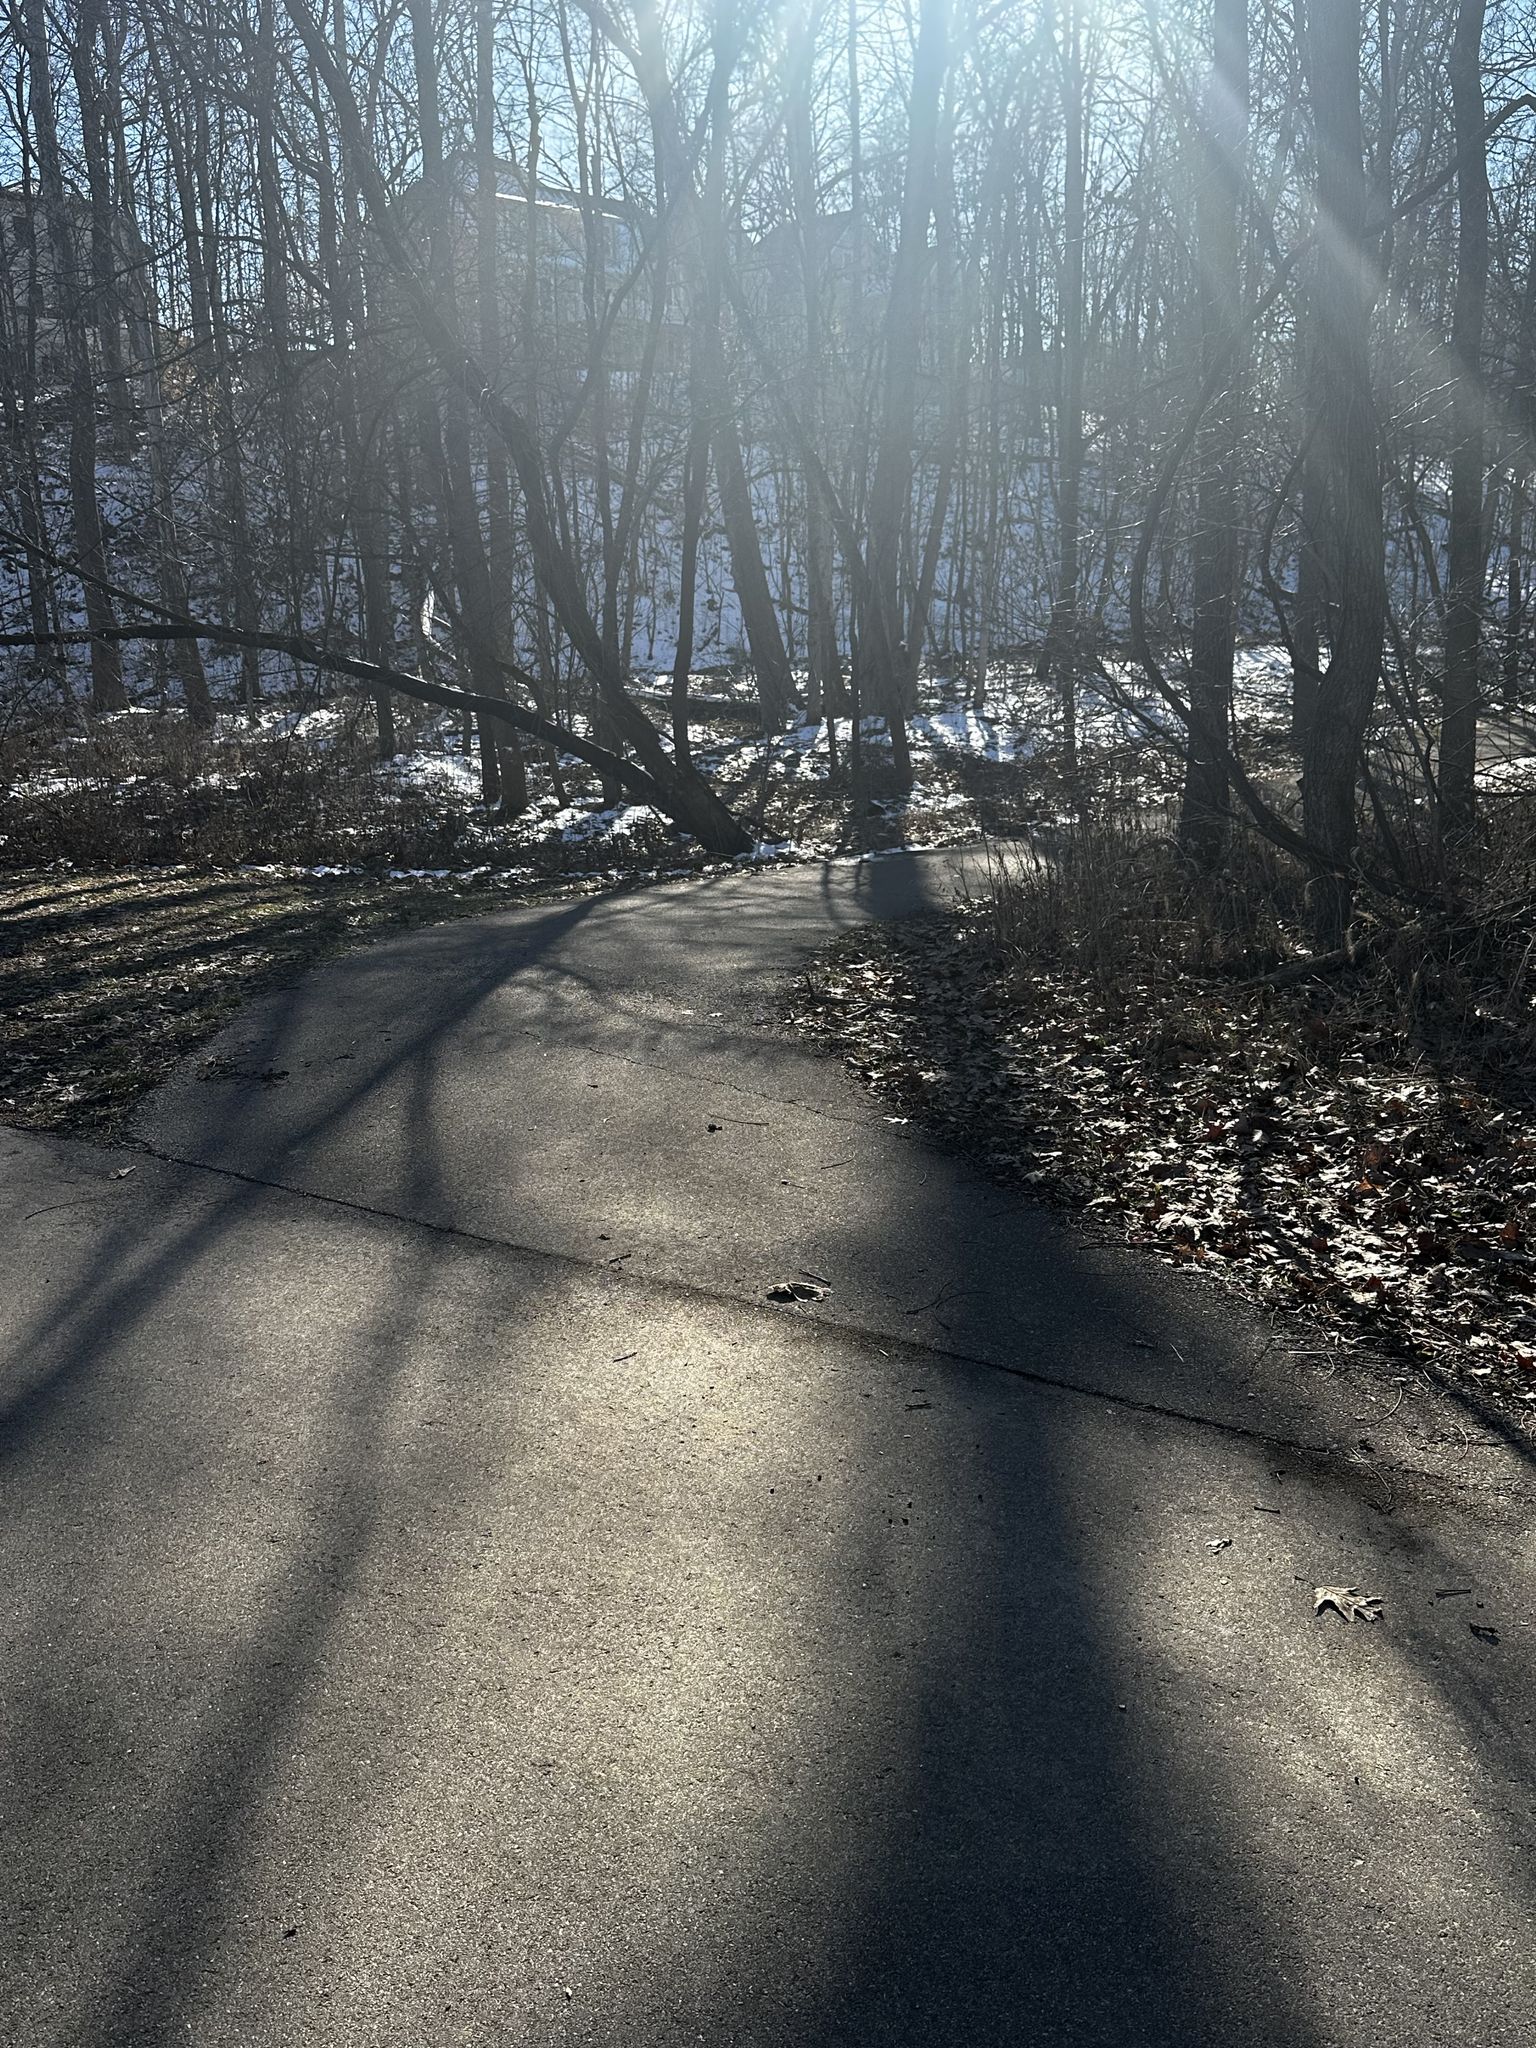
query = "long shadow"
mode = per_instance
[
  {"x": 1030, "y": 1870},
  {"x": 1049, "y": 1868},
  {"x": 251, "y": 1708},
  {"x": 122, "y": 1285},
  {"x": 1019, "y": 1885},
  {"x": 988, "y": 1841},
  {"x": 187, "y": 952},
  {"x": 319, "y": 1076},
  {"x": 52, "y": 903},
  {"x": 188, "y": 1857},
  {"x": 37, "y": 914}
]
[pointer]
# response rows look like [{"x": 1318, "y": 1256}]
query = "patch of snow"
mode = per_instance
[
  {"x": 319, "y": 725},
  {"x": 921, "y": 798},
  {"x": 959, "y": 730},
  {"x": 766, "y": 851},
  {"x": 436, "y": 772},
  {"x": 578, "y": 827},
  {"x": 1516, "y": 771}
]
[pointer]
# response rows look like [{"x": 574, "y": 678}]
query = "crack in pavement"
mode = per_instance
[{"x": 1327, "y": 1452}]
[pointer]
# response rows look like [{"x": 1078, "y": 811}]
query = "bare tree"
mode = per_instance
[
  {"x": 1350, "y": 443},
  {"x": 107, "y": 691},
  {"x": 890, "y": 493},
  {"x": 1466, "y": 549},
  {"x": 1223, "y": 135}
]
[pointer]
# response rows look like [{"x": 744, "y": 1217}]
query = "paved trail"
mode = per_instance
[{"x": 442, "y": 1601}]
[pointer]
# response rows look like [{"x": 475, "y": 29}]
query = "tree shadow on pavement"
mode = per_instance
[
  {"x": 500, "y": 1626},
  {"x": 1133, "y": 1755}
]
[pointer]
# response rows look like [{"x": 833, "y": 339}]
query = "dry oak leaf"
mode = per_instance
[{"x": 1346, "y": 1600}]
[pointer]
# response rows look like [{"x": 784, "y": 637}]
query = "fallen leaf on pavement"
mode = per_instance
[
  {"x": 1345, "y": 1600},
  {"x": 797, "y": 1290}
]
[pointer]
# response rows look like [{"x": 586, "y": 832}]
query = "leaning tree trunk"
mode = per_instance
[
  {"x": 765, "y": 643},
  {"x": 1466, "y": 551},
  {"x": 1203, "y": 820},
  {"x": 1349, "y": 438},
  {"x": 683, "y": 793}
]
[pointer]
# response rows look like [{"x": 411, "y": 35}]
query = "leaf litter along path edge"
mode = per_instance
[{"x": 1207, "y": 1124}]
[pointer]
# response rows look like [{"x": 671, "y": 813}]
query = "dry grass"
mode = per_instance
[{"x": 107, "y": 980}]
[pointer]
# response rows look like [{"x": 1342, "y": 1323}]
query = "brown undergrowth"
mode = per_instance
[{"x": 1096, "y": 1026}]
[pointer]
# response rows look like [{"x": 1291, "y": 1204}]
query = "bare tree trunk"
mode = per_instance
[
  {"x": 342, "y": 241},
  {"x": 824, "y": 688},
  {"x": 890, "y": 495},
  {"x": 1466, "y": 551},
  {"x": 953, "y": 344},
  {"x": 705, "y": 243},
  {"x": 460, "y": 508},
  {"x": 106, "y": 258},
  {"x": 1524, "y": 434},
  {"x": 765, "y": 642},
  {"x": 1350, "y": 441},
  {"x": 169, "y": 572},
  {"x": 512, "y": 772},
  {"x": 1062, "y": 652},
  {"x": 544, "y": 684},
  {"x": 18, "y": 399},
  {"x": 129, "y": 301},
  {"x": 276, "y": 300},
  {"x": 695, "y": 485},
  {"x": 1311, "y": 579},
  {"x": 993, "y": 469},
  {"x": 107, "y": 692},
  {"x": 1514, "y": 612},
  {"x": 241, "y": 552},
  {"x": 1223, "y": 142}
]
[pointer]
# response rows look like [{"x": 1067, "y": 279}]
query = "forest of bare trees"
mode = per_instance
[
  {"x": 767, "y": 1023},
  {"x": 487, "y": 354}
]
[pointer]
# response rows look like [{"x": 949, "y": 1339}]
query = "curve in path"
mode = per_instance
[{"x": 445, "y": 1603}]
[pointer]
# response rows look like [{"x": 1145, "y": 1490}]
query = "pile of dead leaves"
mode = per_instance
[{"x": 1276, "y": 1140}]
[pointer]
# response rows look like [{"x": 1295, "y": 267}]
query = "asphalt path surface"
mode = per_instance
[{"x": 444, "y": 1600}]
